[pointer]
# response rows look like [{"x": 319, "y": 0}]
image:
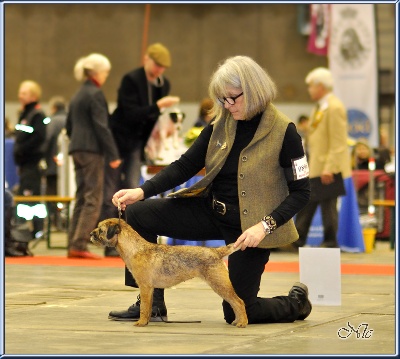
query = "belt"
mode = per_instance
[{"x": 222, "y": 208}]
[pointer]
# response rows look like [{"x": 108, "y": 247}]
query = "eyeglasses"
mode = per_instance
[{"x": 230, "y": 100}]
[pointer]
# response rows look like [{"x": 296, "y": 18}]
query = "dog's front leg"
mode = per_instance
[
  {"x": 176, "y": 138},
  {"x": 164, "y": 136},
  {"x": 146, "y": 301}
]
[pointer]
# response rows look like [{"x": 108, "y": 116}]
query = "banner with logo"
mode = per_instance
[
  {"x": 352, "y": 60},
  {"x": 318, "y": 41}
]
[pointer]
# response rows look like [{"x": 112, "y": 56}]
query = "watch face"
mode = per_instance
[{"x": 271, "y": 222}]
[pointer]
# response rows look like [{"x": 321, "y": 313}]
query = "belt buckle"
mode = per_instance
[{"x": 221, "y": 204}]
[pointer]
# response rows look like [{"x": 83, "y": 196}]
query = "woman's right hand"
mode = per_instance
[{"x": 125, "y": 197}]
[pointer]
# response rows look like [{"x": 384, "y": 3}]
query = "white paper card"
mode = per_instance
[{"x": 320, "y": 271}]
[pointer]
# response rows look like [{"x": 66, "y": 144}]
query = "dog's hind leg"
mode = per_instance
[
  {"x": 146, "y": 300},
  {"x": 218, "y": 280}
]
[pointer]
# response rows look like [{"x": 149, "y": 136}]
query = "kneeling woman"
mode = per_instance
[{"x": 256, "y": 181}]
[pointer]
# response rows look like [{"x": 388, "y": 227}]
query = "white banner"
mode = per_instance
[{"x": 352, "y": 60}]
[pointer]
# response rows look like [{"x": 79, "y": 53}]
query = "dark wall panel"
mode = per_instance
[{"x": 43, "y": 42}]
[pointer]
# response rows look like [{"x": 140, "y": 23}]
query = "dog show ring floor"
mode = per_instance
[{"x": 54, "y": 305}]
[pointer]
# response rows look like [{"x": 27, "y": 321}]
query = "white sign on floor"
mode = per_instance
[{"x": 320, "y": 271}]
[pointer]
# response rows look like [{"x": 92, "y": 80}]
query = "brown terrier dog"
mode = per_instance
[{"x": 163, "y": 266}]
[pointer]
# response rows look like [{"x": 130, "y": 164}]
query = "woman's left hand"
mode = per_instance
[{"x": 251, "y": 237}]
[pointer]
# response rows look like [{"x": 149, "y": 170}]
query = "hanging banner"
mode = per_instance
[
  {"x": 352, "y": 60},
  {"x": 318, "y": 41}
]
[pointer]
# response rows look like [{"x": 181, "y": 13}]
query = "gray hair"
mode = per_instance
[
  {"x": 242, "y": 72},
  {"x": 320, "y": 75},
  {"x": 89, "y": 65}
]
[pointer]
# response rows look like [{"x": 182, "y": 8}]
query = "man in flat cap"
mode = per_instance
[{"x": 142, "y": 96}]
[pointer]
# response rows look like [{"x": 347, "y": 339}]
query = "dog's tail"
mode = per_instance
[{"x": 226, "y": 250}]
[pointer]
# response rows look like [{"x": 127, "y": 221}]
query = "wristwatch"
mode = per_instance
[{"x": 269, "y": 224}]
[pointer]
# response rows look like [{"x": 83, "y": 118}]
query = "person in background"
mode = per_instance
[
  {"x": 11, "y": 246},
  {"x": 202, "y": 121},
  {"x": 8, "y": 128},
  {"x": 361, "y": 154},
  {"x": 328, "y": 153},
  {"x": 256, "y": 180},
  {"x": 91, "y": 141},
  {"x": 384, "y": 152},
  {"x": 303, "y": 124},
  {"x": 142, "y": 96},
  {"x": 30, "y": 137},
  {"x": 57, "y": 121},
  {"x": 204, "y": 113}
]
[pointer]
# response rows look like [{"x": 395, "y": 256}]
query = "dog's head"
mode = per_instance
[
  {"x": 177, "y": 116},
  {"x": 105, "y": 235}
]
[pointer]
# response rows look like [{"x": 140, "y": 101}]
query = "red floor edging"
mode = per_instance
[{"x": 116, "y": 262}]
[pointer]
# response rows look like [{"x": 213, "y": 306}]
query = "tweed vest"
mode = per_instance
[{"x": 261, "y": 181}]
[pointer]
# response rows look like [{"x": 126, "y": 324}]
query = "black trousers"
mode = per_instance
[
  {"x": 194, "y": 219},
  {"x": 330, "y": 220},
  {"x": 112, "y": 183},
  {"x": 30, "y": 178}
]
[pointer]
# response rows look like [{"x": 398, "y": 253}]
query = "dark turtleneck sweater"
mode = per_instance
[{"x": 224, "y": 186}]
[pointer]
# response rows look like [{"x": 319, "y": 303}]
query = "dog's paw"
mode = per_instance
[
  {"x": 141, "y": 323},
  {"x": 241, "y": 324}
]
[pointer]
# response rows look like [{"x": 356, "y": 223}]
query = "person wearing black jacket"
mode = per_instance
[
  {"x": 30, "y": 136},
  {"x": 142, "y": 96},
  {"x": 91, "y": 144}
]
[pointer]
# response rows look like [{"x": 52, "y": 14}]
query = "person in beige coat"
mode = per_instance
[
  {"x": 256, "y": 180},
  {"x": 328, "y": 153}
]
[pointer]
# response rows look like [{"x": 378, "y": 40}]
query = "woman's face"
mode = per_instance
[
  {"x": 101, "y": 76},
  {"x": 362, "y": 151},
  {"x": 25, "y": 95},
  {"x": 237, "y": 110}
]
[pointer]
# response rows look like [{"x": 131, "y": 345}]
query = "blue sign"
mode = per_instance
[{"x": 359, "y": 124}]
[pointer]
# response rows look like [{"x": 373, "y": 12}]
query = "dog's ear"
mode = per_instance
[{"x": 112, "y": 230}]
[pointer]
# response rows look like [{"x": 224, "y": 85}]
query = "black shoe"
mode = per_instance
[
  {"x": 24, "y": 248},
  {"x": 328, "y": 245},
  {"x": 289, "y": 248},
  {"x": 13, "y": 252},
  {"x": 158, "y": 313},
  {"x": 299, "y": 292},
  {"x": 297, "y": 244}
]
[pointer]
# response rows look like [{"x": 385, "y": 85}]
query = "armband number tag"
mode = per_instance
[{"x": 300, "y": 168}]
